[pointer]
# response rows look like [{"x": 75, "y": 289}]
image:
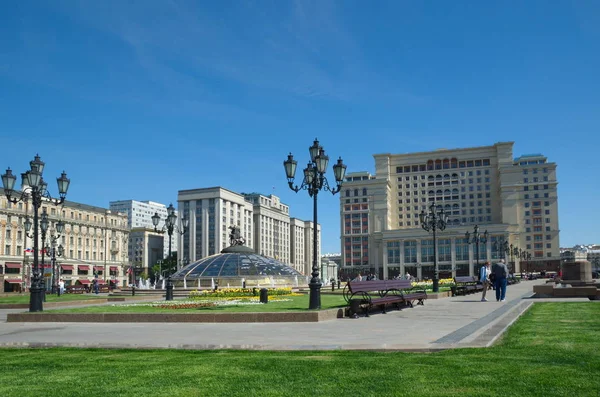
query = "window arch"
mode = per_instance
[
  {"x": 438, "y": 177},
  {"x": 454, "y": 191},
  {"x": 455, "y": 206},
  {"x": 446, "y": 164},
  {"x": 347, "y": 192},
  {"x": 439, "y": 192},
  {"x": 355, "y": 192},
  {"x": 447, "y": 192},
  {"x": 364, "y": 191},
  {"x": 430, "y": 178}
]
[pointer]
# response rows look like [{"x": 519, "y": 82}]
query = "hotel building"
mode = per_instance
[
  {"x": 94, "y": 241},
  {"x": 514, "y": 199}
]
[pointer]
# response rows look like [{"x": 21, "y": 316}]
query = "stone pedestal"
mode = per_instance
[{"x": 577, "y": 271}]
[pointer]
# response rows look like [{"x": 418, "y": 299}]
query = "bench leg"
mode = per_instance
[{"x": 383, "y": 309}]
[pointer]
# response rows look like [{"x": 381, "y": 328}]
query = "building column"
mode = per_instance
[
  {"x": 402, "y": 266},
  {"x": 453, "y": 255},
  {"x": 471, "y": 259},
  {"x": 419, "y": 271},
  {"x": 385, "y": 260}
]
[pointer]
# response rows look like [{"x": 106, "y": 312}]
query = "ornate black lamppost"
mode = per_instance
[
  {"x": 36, "y": 190},
  {"x": 476, "y": 238},
  {"x": 170, "y": 226},
  {"x": 51, "y": 248},
  {"x": 513, "y": 251},
  {"x": 435, "y": 219},
  {"x": 314, "y": 181},
  {"x": 501, "y": 246}
]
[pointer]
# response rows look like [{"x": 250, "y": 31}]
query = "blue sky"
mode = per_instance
[{"x": 137, "y": 100}]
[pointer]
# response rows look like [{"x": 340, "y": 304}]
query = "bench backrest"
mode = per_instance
[
  {"x": 465, "y": 279},
  {"x": 399, "y": 284},
  {"x": 366, "y": 286}
]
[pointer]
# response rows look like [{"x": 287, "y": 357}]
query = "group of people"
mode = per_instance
[
  {"x": 368, "y": 277},
  {"x": 494, "y": 275}
]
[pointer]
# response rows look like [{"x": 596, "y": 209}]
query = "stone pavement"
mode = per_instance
[{"x": 440, "y": 324}]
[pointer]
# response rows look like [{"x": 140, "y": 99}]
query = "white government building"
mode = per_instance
[
  {"x": 514, "y": 199},
  {"x": 264, "y": 223}
]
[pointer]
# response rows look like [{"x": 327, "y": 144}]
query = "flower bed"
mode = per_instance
[
  {"x": 239, "y": 293},
  {"x": 201, "y": 303}
]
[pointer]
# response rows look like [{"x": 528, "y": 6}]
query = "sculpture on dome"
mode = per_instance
[{"x": 235, "y": 237}]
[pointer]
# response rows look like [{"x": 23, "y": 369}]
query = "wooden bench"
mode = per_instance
[
  {"x": 76, "y": 289},
  {"x": 466, "y": 285},
  {"x": 408, "y": 292},
  {"x": 367, "y": 294}
]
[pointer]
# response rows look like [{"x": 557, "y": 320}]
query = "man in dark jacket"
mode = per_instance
[{"x": 500, "y": 272}]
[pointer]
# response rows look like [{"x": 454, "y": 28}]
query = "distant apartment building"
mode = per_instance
[
  {"x": 271, "y": 220},
  {"x": 146, "y": 249},
  {"x": 579, "y": 252},
  {"x": 94, "y": 242},
  {"x": 514, "y": 199},
  {"x": 139, "y": 215},
  {"x": 263, "y": 220}
]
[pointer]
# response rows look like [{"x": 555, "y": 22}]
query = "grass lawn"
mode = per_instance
[
  {"x": 52, "y": 298},
  {"x": 553, "y": 350},
  {"x": 297, "y": 303}
]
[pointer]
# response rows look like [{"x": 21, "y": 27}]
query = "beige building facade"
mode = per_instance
[
  {"x": 514, "y": 199},
  {"x": 94, "y": 240}
]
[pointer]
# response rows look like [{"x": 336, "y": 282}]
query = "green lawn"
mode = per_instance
[
  {"x": 553, "y": 350},
  {"x": 52, "y": 298},
  {"x": 297, "y": 303}
]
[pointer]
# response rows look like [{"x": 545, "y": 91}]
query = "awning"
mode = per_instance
[
  {"x": 114, "y": 268},
  {"x": 101, "y": 282},
  {"x": 12, "y": 265},
  {"x": 98, "y": 267},
  {"x": 83, "y": 267},
  {"x": 47, "y": 266},
  {"x": 84, "y": 281},
  {"x": 66, "y": 267},
  {"x": 13, "y": 281}
]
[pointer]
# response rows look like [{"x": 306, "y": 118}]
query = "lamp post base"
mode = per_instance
[
  {"x": 35, "y": 299},
  {"x": 436, "y": 284},
  {"x": 315, "y": 296},
  {"x": 169, "y": 295}
]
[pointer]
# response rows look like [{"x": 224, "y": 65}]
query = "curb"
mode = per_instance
[{"x": 255, "y": 317}]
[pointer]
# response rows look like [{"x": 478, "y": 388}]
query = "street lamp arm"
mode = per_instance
[{"x": 325, "y": 186}]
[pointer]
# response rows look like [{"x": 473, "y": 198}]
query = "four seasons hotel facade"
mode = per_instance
[{"x": 513, "y": 199}]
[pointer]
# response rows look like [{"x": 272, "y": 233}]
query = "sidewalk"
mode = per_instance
[{"x": 462, "y": 321}]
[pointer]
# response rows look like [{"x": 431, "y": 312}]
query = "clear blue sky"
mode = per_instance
[{"x": 139, "y": 99}]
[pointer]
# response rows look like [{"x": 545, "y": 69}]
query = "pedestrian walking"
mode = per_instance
[
  {"x": 500, "y": 272},
  {"x": 484, "y": 278}
]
